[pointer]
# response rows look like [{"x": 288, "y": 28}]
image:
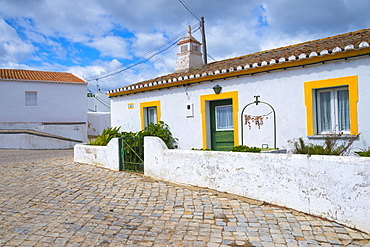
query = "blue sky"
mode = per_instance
[{"x": 95, "y": 38}]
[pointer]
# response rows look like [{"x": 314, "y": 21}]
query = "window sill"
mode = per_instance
[{"x": 344, "y": 136}]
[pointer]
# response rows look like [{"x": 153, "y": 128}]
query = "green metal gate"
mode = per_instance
[{"x": 131, "y": 154}]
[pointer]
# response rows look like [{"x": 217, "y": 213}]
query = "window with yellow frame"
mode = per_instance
[
  {"x": 150, "y": 112},
  {"x": 331, "y": 106}
]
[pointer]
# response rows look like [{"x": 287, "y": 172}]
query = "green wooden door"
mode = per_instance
[{"x": 222, "y": 127}]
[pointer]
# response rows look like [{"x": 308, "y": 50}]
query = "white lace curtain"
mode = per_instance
[{"x": 224, "y": 117}]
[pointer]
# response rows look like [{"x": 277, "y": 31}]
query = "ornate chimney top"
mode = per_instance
[{"x": 189, "y": 56}]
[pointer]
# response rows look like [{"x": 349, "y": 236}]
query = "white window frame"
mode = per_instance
[
  {"x": 30, "y": 98},
  {"x": 333, "y": 110},
  {"x": 216, "y": 116}
]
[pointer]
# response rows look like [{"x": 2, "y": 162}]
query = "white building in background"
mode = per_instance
[
  {"x": 314, "y": 88},
  {"x": 98, "y": 113},
  {"x": 42, "y": 109}
]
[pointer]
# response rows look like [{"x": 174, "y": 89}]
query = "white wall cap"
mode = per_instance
[
  {"x": 313, "y": 54},
  {"x": 349, "y": 47},
  {"x": 324, "y": 52},
  {"x": 363, "y": 44},
  {"x": 302, "y": 56},
  {"x": 336, "y": 49},
  {"x": 292, "y": 58}
]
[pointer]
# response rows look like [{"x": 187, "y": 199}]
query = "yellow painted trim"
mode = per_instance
[
  {"x": 244, "y": 72},
  {"x": 310, "y": 86},
  {"x": 156, "y": 103},
  {"x": 235, "y": 103}
]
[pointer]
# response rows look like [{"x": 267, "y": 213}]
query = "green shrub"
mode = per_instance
[
  {"x": 363, "y": 153},
  {"x": 333, "y": 145},
  {"x": 105, "y": 136},
  {"x": 243, "y": 148},
  {"x": 201, "y": 149},
  {"x": 160, "y": 130}
]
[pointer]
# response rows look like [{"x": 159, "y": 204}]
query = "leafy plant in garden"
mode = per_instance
[
  {"x": 162, "y": 131},
  {"x": 333, "y": 145},
  {"x": 243, "y": 148},
  {"x": 364, "y": 153},
  {"x": 105, "y": 136}
]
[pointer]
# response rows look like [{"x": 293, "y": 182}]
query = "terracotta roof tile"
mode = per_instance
[
  {"x": 353, "y": 40},
  {"x": 39, "y": 76}
]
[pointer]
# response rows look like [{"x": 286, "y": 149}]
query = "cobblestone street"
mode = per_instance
[{"x": 48, "y": 200}]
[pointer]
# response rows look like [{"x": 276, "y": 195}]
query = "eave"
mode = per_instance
[{"x": 263, "y": 67}]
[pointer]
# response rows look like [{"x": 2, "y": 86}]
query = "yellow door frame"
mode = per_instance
[{"x": 203, "y": 109}]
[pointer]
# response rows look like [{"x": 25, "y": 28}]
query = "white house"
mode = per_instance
[
  {"x": 41, "y": 109},
  {"x": 98, "y": 113},
  {"x": 305, "y": 90}
]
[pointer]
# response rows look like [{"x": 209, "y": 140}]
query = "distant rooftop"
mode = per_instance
[{"x": 39, "y": 76}]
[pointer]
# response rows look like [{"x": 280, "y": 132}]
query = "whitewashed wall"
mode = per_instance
[
  {"x": 27, "y": 141},
  {"x": 336, "y": 188},
  {"x": 61, "y": 110},
  {"x": 97, "y": 122},
  {"x": 56, "y": 102},
  {"x": 103, "y": 156},
  {"x": 284, "y": 90}
]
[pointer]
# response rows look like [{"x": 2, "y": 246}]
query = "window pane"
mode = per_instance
[
  {"x": 325, "y": 111},
  {"x": 31, "y": 99},
  {"x": 343, "y": 110},
  {"x": 224, "y": 118},
  {"x": 150, "y": 115}
]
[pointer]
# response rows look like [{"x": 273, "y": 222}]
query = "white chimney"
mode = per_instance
[{"x": 189, "y": 56}]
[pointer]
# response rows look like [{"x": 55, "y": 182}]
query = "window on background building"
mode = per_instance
[
  {"x": 332, "y": 110},
  {"x": 150, "y": 115},
  {"x": 31, "y": 99}
]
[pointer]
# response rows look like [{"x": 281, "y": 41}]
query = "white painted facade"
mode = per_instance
[
  {"x": 98, "y": 102},
  {"x": 60, "y": 110},
  {"x": 332, "y": 187},
  {"x": 283, "y": 89},
  {"x": 97, "y": 122}
]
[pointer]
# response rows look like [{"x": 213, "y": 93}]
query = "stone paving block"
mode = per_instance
[{"x": 83, "y": 205}]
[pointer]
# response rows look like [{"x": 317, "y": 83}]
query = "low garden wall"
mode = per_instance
[
  {"x": 333, "y": 187},
  {"x": 103, "y": 156}
]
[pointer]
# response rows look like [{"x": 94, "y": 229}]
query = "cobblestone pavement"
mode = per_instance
[{"x": 56, "y": 202}]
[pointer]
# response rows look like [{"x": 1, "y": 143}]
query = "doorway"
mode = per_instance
[{"x": 221, "y": 125}]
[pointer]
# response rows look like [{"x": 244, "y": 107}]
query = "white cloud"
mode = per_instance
[
  {"x": 12, "y": 48},
  {"x": 50, "y": 31},
  {"x": 113, "y": 46}
]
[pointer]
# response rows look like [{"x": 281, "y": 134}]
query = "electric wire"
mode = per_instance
[
  {"x": 189, "y": 9},
  {"x": 145, "y": 56}
]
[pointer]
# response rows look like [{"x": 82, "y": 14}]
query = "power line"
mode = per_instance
[
  {"x": 145, "y": 56},
  {"x": 189, "y": 9}
]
